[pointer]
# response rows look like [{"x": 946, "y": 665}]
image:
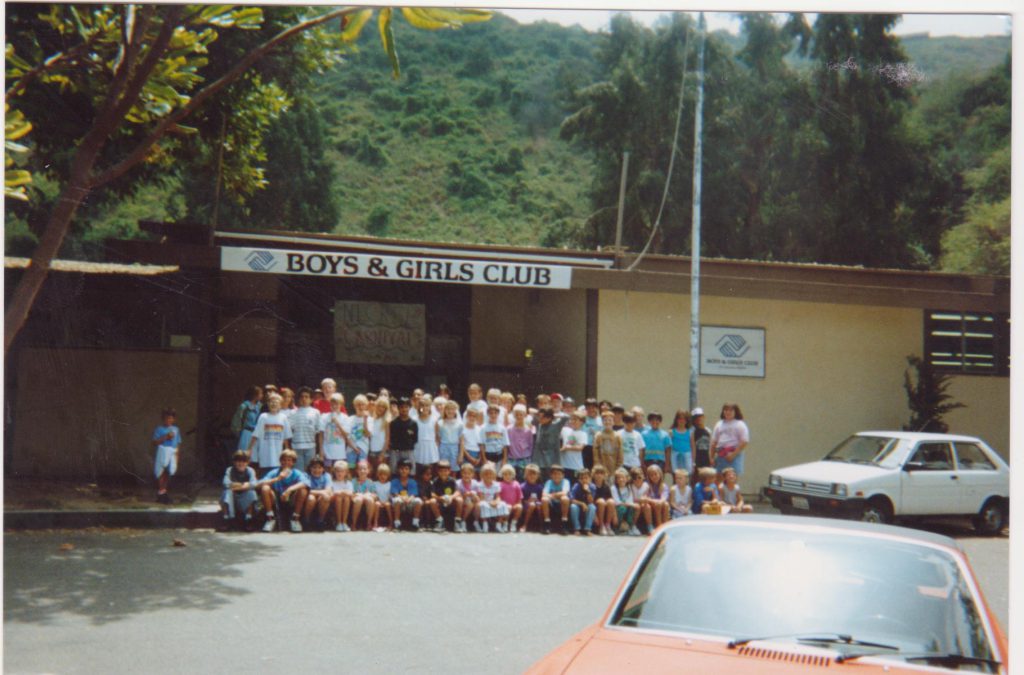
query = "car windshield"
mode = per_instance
[
  {"x": 862, "y": 450},
  {"x": 767, "y": 581}
]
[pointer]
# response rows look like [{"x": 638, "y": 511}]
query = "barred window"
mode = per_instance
[{"x": 968, "y": 342}]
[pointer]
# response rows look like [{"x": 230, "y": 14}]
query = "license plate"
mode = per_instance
[{"x": 800, "y": 503}]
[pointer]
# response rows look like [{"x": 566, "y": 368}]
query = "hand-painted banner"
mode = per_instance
[
  {"x": 379, "y": 332},
  {"x": 400, "y": 268}
]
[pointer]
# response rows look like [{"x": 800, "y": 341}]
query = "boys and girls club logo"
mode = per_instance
[
  {"x": 261, "y": 261},
  {"x": 732, "y": 346}
]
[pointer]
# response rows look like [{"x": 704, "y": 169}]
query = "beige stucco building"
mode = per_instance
[{"x": 819, "y": 351}]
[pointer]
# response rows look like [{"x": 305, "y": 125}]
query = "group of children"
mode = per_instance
[
  {"x": 630, "y": 501},
  {"x": 498, "y": 466}
]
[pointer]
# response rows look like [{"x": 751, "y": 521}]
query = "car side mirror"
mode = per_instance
[{"x": 914, "y": 466}]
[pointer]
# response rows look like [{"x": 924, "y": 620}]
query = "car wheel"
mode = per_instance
[
  {"x": 876, "y": 511},
  {"x": 991, "y": 519}
]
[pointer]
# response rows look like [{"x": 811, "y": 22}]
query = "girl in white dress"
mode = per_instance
[
  {"x": 425, "y": 451},
  {"x": 491, "y": 505}
]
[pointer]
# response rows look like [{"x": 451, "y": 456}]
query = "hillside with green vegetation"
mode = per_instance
[
  {"x": 464, "y": 147},
  {"x": 512, "y": 134}
]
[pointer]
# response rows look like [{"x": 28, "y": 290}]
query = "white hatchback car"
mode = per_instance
[{"x": 881, "y": 475}]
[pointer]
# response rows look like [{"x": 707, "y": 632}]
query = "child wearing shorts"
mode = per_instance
[
  {"x": 681, "y": 495},
  {"x": 382, "y": 490},
  {"x": 318, "y": 500},
  {"x": 469, "y": 489},
  {"x": 626, "y": 508},
  {"x": 603, "y": 500},
  {"x": 512, "y": 495},
  {"x": 364, "y": 495},
  {"x": 447, "y": 502},
  {"x": 284, "y": 486},
  {"x": 556, "y": 495},
  {"x": 341, "y": 495},
  {"x": 533, "y": 490},
  {"x": 166, "y": 440},
  {"x": 449, "y": 432}
]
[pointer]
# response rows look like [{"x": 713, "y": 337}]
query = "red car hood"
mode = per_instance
[{"x": 603, "y": 650}]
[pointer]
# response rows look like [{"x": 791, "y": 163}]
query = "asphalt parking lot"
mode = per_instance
[{"x": 131, "y": 601}]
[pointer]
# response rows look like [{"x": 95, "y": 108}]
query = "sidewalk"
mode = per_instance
[{"x": 40, "y": 505}]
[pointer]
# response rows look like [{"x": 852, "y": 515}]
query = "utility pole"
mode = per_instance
[
  {"x": 622, "y": 203},
  {"x": 695, "y": 235}
]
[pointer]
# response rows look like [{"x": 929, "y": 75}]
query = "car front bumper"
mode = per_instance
[{"x": 828, "y": 505}]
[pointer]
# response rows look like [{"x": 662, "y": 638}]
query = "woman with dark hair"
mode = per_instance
[{"x": 729, "y": 439}]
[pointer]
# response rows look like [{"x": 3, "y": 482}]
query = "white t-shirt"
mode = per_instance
[
  {"x": 377, "y": 435},
  {"x": 334, "y": 426},
  {"x": 478, "y": 405},
  {"x": 622, "y": 495},
  {"x": 471, "y": 440},
  {"x": 271, "y": 432},
  {"x": 383, "y": 490},
  {"x": 632, "y": 444},
  {"x": 682, "y": 500},
  {"x": 359, "y": 433},
  {"x": 573, "y": 459},
  {"x": 342, "y": 486},
  {"x": 729, "y": 434}
]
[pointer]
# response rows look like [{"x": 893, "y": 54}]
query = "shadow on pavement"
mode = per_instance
[{"x": 120, "y": 573}]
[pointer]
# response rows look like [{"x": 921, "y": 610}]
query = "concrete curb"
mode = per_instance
[{"x": 194, "y": 518}]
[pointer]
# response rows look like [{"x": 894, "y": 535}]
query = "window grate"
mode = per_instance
[{"x": 968, "y": 342}]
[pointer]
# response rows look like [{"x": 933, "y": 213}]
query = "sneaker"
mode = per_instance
[
  {"x": 610, "y": 532},
  {"x": 565, "y": 529},
  {"x": 340, "y": 527},
  {"x": 439, "y": 526},
  {"x": 487, "y": 527},
  {"x": 477, "y": 527},
  {"x": 269, "y": 525},
  {"x": 634, "y": 531},
  {"x": 502, "y": 528},
  {"x": 296, "y": 526},
  {"x": 347, "y": 528},
  {"x": 547, "y": 527}
]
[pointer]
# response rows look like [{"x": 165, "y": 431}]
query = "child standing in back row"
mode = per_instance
[{"x": 166, "y": 440}]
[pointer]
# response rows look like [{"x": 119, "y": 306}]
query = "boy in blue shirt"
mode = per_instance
[
  {"x": 166, "y": 440},
  {"x": 405, "y": 497},
  {"x": 556, "y": 495},
  {"x": 656, "y": 442},
  {"x": 318, "y": 499},
  {"x": 284, "y": 486}
]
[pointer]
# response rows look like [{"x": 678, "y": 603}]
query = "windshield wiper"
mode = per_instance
[
  {"x": 938, "y": 658},
  {"x": 825, "y": 638}
]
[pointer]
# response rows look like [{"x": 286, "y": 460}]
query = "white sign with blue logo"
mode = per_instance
[
  {"x": 736, "y": 352},
  {"x": 394, "y": 268}
]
